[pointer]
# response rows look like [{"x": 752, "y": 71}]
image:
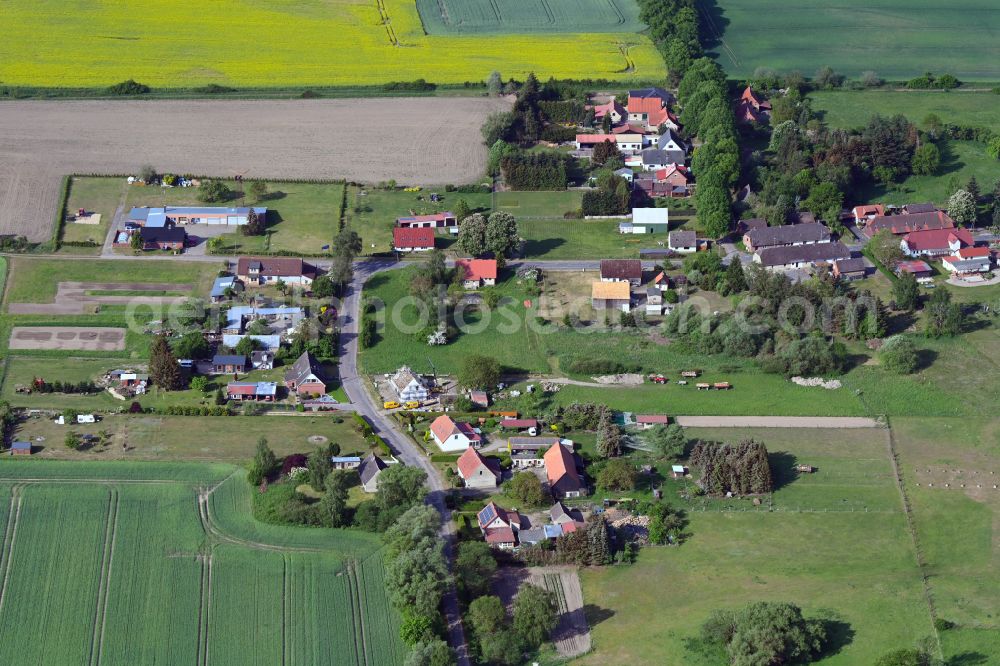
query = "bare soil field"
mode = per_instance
[
  {"x": 73, "y": 297},
  {"x": 571, "y": 636},
  {"x": 87, "y": 338},
  {"x": 427, "y": 140}
]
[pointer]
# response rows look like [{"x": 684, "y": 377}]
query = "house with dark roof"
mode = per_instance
[
  {"x": 684, "y": 241},
  {"x": 369, "y": 471},
  {"x": 227, "y": 364},
  {"x": 560, "y": 515},
  {"x": 20, "y": 448},
  {"x": 849, "y": 269},
  {"x": 913, "y": 209},
  {"x": 561, "y": 472},
  {"x": 271, "y": 270},
  {"x": 789, "y": 257},
  {"x": 304, "y": 377},
  {"x": 786, "y": 235},
  {"x": 654, "y": 159},
  {"x": 527, "y": 452},
  {"x": 622, "y": 270},
  {"x": 262, "y": 360},
  {"x": 162, "y": 238},
  {"x": 412, "y": 239},
  {"x": 476, "y": 471}
]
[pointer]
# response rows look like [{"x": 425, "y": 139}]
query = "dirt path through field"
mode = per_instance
[{"x": 425, "y": 140}]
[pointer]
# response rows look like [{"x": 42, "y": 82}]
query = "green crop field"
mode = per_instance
[
  {"x": 853, "y": 108},
  {"x": 899, "y": 39},
  {"x": 510, "y": 16},
  {"x": 132, "y": 575},
  {"x": 294, "y": 43}
]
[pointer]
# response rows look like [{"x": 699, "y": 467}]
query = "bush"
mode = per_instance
[
  {"x": 129, "y": 87},
  {"x": 214, "y": 89},
  {"x": 601, "y": 366},
  {"x": 899, "y": 355}
]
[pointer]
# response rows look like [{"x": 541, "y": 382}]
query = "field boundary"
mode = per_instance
[
  {"x": 917, "y": 550},
  {"x": 204, "y": 606}
]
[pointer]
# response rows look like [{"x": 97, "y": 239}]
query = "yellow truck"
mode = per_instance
[
  {"x": 390, "y": 404},
  {"x": 412, "y": 404}
]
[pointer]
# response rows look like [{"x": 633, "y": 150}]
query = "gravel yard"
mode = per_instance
[{"x": 425, "y": 140}]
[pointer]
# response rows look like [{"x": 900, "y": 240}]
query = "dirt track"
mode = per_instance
[
  {"x": 428, "y": 141},
  {"x": 72, "y": 298}
]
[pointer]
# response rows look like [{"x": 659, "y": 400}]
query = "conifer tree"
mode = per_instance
[{"x": 163, "y": 369}]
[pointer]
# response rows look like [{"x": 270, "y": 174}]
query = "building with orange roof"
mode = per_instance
[
  {"x": 476, "y": 471},
  {"x": 477, "y": 273},
  {"x": 561, "y": 472},
  {"x": 450, "y": 435}
]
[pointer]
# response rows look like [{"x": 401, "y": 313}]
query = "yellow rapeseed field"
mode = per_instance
[{"x": 178, "y": 43}]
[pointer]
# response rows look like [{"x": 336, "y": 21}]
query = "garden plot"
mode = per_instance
[
  {"x": 571, "y": 636},
  {"x": 75, "y": 297},
  {"x": 68, "y": 337}
]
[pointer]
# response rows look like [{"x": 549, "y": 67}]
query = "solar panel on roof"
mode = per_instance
[{"x": 487, "y": 514}]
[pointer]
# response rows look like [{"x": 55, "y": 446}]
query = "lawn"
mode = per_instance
[
  {"x": 169, "y": 438},
  {"x": 302, "y": 217},
  {"x": 557, "y": 238},
  {"x": 849, "y": 109},
  {"x": 836, "y": 544},
  {"x": 138, "y": 543},
  {"x": 898, "y": 39},
  {"x": 450, "y": 17},
  {"x": 505, "y": 334},
  {"x": 289, "y": 44},
  {"x": 94, "y": 195},
  {"x": 35, "y": 280},
  {"x": 372, "y": 212},
  {"x": 539, "y": 204}
]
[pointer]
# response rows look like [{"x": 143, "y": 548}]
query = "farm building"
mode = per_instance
[
  {"x": 647, "y": 421},
  {"x": 182, "y": 215},
  {"x": 789, "y": 235},
  {"x": 412, "y": 239},
  {"x": 801, "y": 256},
  {"x": 279, "y": 319},
  {"x": 862, "y": 214},
  {"x": 519, "y": 424},
  {"x": 450, "y": 435},
  {"x": 968, "y": 261},
  {"x": 650, "y": 221},
  {"x": 527, "y": 451},
  {"x": 909, "y": 222},
  {"x": 434, "y": 221},
  {"x": 919, "y": 269},
  {"x": 270, "y": 342},
  {"x": 304, "y": 378},
  {"x": 221, "y": 286},
  {"x": 476, "y": 471},
  {"x": 369, "y": 471}
]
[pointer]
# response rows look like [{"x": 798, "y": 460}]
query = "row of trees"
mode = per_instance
[
  {"x": 716, "y": 163},
  {"x": 534, "y": 171},
  {"x": 674, "y": 28},
  {"x": 497, "y": 234}
]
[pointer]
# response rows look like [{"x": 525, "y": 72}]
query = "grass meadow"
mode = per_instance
[
  {"x": 94, "y": 195},
  {"x": 836, "y": 543},
  {"x": 853, "y": 108},
  {"x": 112, "y": 551},
  {"x": 897, "y": 39},
  {"x": 289, "y": 44}
]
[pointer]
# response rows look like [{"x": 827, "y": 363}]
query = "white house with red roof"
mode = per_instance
[
  {"x": 413, "y": 239},
  {"x": 476, "y": 471},
  {"x": 935, "y": 242},
  {"x": 451, "y": 435},
  {"x": 647, "y": 421},
  {"x": 477, "y": 273},
  {"x": 499, "y": 526}
]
